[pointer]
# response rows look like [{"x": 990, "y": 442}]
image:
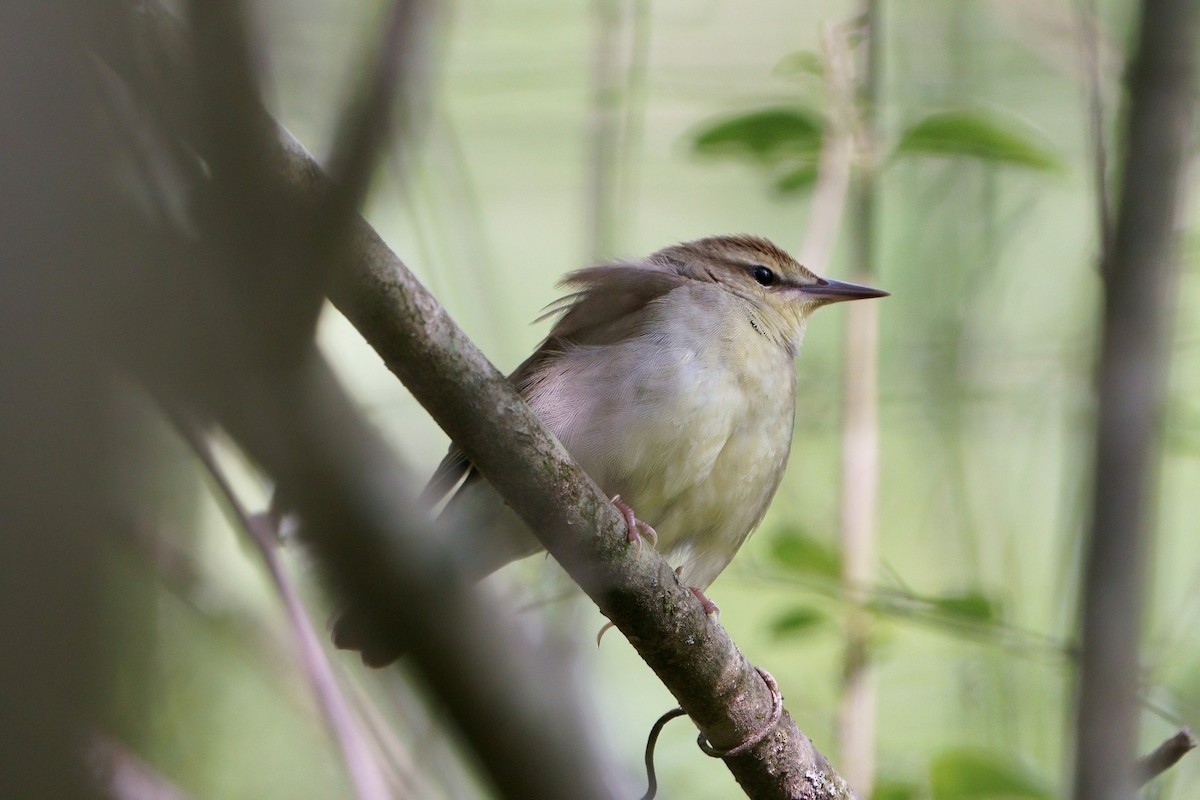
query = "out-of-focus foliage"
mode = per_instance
[
  {"x": 896, "y": 790},
  {"x": 766, "y": 136},
  {"x": 972, "y": 607},
  {"x": 802, "y": 64},
  {"x": 977, "y": 774},
  {"x": 787, "y": 141},
  {"x": 784, "y": 141},
  {"x": 797, "y": 621},
  {"x": 976, "y": 133},
  {"x": 806, "y": 555}
]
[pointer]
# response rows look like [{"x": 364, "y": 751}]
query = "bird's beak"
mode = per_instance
[{"x": 828, "y": 290}]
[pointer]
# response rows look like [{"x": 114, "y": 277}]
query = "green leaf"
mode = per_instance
[
  {"x": 977, "y": 133},
  {"x": 804, "y": 62},
  {"x": 797, "y": 621},
  {"x": 963, "y": 774},
  {"x": 797, "y": 179},
  {"x": 807, "y": 556},
  {"x": 968, "y": 607},
  {"x": 767, "y": 136}
]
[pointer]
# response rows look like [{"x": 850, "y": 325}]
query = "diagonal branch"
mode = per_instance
[
  {"x": 691, "y": 653},
  {"x": 363, "y": 768},
  {"x": 197, "y": 343}
]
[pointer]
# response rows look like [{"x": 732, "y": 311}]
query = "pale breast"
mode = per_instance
[{"x": 691, "y": 424}]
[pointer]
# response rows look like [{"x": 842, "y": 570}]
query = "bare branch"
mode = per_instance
[
  {"x": 1165, "y": 756},
  {"x": 837, "y": 150},
  {"x": 617, "y": 107},
  {"x": 302, "y": 428},
  {"x": 282, "y": 404},
  {"x": 637, "y": 590},
  {"x": 860, "y": 434},
  {"x": 1139, "y": 274},
  {"x": 365, "y": 771},
  {"x": 1088, "y": 35}
]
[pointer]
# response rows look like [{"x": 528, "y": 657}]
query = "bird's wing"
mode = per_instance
[{"x": 608, "y": 305}]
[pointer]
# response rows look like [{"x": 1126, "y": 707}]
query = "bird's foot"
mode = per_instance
[
  {"x": 637, "y": 528},
  {"x": 710, "y": 608}
]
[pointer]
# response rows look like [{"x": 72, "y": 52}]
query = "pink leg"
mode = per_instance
[
  {"x": 710, "y": 608},
  {"x": 636, "y": 527}
]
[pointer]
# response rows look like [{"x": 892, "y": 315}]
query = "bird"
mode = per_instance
[{"x": 671, "y": 380}]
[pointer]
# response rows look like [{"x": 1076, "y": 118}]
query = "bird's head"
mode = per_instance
[{"x": 778, "y": 291}]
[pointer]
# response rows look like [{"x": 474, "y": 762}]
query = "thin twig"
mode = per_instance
[
  {"x": 364, "y": 128},
  {"x": 1088, "y": 36},
  {"x": 651, "y": 741},
  {"x": 604, "y": 129},
  {"x": 837, "y": 145},
  {"x": 632, "y": 124},
  {"x": 366, "y": 122},
  {"x": 849, "y": 142},
  {"x": 365, "y": 772},
  {"x": 1165, "y": 756}
]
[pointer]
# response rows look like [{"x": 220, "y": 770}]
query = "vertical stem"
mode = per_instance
[
  {"x": 860, "y": 478},
  {"x": 1089, "y": 46},
  {"x": 1139, "y": 276},
  {"x": 860, "y": 446},
  {"x": 604, "y": 131},
  {"x": 829, "y": 195},
  {"x": 627, "y": 215}
]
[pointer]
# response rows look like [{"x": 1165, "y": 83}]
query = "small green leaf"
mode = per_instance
[
  {"x": 805, "y": 555},
  {"x": 981, "y": 134},
  {"x": 797, "y": 179},
  {"x": 962, "y": 774},
  {"x": 768, "y": 136},
  {"x": 797, "y": 621},
  {"x": 969, "y": 607},
  {"x": 805, "y": 62}
]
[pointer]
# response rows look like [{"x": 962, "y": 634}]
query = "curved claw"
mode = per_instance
[
  {"x": 603, "y": 630},
  {"x": 648, "y": 532},
  {"x": 636, "y": 527}
]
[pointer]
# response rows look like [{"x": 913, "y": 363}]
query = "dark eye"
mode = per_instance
[{"x": 763, "y": 275}]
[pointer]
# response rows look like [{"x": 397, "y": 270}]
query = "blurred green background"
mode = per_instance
[{"x": 986, "y": 357}]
